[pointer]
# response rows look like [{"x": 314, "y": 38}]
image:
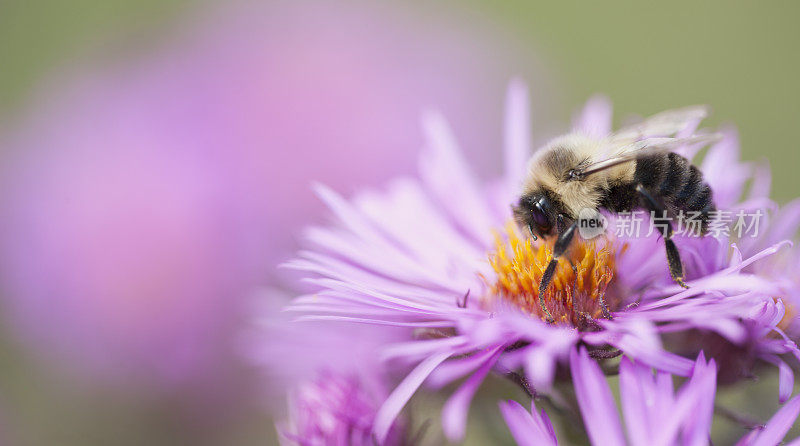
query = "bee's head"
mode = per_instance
[{"x": 537, "y": 212}]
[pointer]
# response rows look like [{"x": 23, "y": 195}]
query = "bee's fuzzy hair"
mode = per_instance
[{"x": 549, "y": 170}]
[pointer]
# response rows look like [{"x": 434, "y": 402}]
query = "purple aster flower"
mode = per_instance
[
  {"x": 653, "y": 412},
  {"x": 333, "y": 410},
  {"x": 414, "y": 255}
]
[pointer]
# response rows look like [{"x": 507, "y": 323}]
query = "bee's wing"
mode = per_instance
[
  {"x": 663, "y": 124},
  {"x": 637, "y": 149}
]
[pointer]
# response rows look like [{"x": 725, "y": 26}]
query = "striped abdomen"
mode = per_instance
[{"x": 672, "y": 179}]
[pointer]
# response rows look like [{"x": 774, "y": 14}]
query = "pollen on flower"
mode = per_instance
[{"x": 578, "y": 290}]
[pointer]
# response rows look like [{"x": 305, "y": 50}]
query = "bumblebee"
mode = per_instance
[{"x": 634, "y": 168}]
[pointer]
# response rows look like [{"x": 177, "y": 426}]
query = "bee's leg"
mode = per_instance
[
  {"x": 561, "y": 225},
  {"x": 673, "y": 256},
  {"x": 562, "y": 243}
]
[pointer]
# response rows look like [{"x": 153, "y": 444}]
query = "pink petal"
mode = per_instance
[
  {"x": 453, "y": 370},
  {"x": 388, "y": 412},
  {"x": 722, "y": 170},
  {"x": 786, "y": 224},
  {"x": 431, "y": 324},
  {"x": 762, "y": 179},
  {"x": 517, "y": 133},
  {"x": 635, "y": 402},
  {"x": 596, "y": 402},
  {"x": 657, "y": 358},
  {"x": 444, "y": 170},
  {"x": 703, "y": 385},
  {"x": 528, "y": 428},
  {"x": 540, "y": 367},
  {"x": 595, "y": 118},
  {"x": 454, "y": 413},
  {"x": 785, "y": 377},
  {"x": 421, "y": 348},
  {"x": 785, "y": 382}
]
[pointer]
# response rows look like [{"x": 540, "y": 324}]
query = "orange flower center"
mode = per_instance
[{"x": 578, "y": 289}]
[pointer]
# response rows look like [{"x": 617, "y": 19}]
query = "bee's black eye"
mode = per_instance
[
  {"x": 536, "y": 211},
  {"x": 539, "y": 215}
]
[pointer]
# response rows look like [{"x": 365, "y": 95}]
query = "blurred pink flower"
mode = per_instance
[
  {"x": 329, "y": 373},
  {"x": 331, "y": 410},
  {"x": 141, "y": 202}
]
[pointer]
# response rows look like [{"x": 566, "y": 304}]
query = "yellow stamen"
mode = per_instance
[{"x": 578, "y": 287}]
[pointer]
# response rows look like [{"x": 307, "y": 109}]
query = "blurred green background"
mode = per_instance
[{"x": 739, "y": 57}]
